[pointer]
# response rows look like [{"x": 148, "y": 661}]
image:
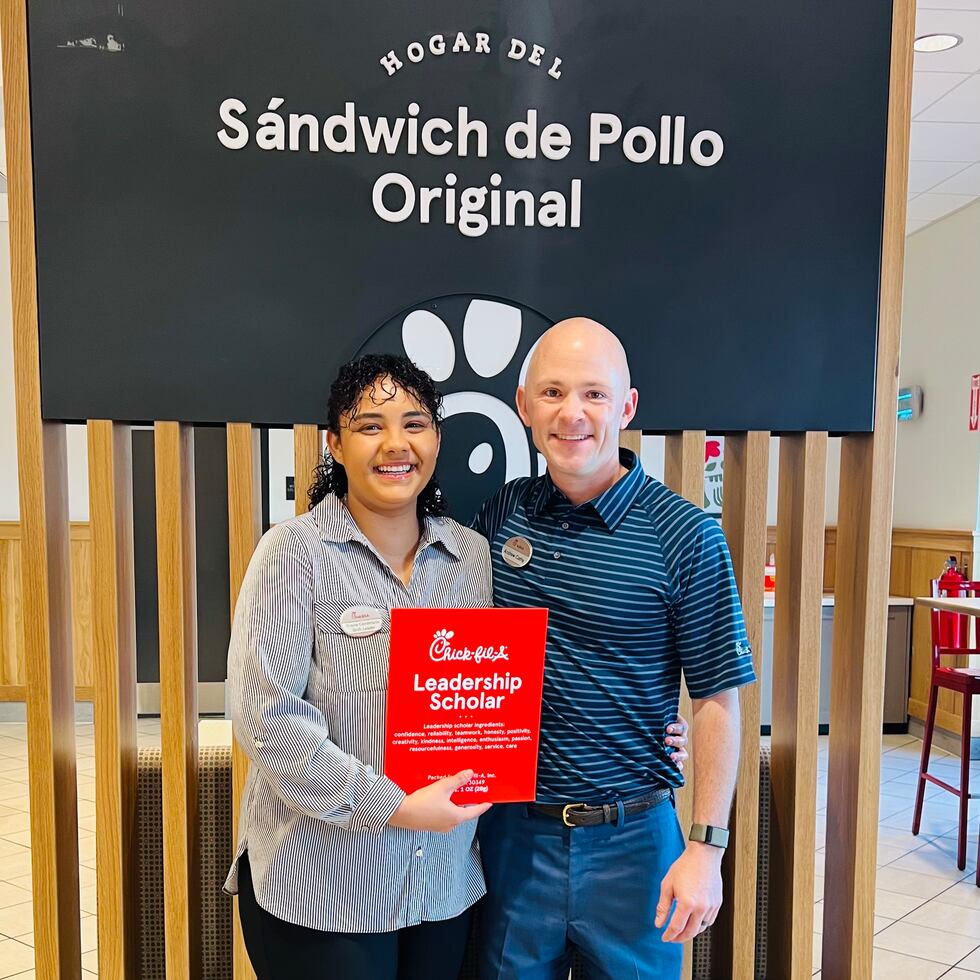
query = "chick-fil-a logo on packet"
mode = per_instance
[{"x": 464, "y": 692}]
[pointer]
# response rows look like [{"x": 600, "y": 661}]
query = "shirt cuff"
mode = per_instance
[{"x": 377, "y": 807}]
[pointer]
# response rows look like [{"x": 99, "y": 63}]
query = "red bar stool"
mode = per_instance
[{"x": 950, "y": 638}]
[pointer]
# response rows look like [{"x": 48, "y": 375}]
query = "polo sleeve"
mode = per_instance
[
  {"x": 709, "y": 630},
  {"x": 283, "y": 734}
]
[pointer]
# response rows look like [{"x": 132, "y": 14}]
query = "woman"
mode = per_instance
[{"x": 340, "y": 873}]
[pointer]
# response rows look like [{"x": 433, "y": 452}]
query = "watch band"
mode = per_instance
[{"x": 707, "y": 834}]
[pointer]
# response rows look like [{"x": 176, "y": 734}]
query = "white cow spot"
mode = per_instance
[
  {"x": 428, "y": 342},
  {"x": 481, "y": 458},
  {"x": 491, "y": 333}
]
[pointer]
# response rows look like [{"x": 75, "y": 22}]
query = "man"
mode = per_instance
[{"x": 639, "y": 586}]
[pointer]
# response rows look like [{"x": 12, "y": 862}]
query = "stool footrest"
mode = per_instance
[{"x": 946, "y": 786}]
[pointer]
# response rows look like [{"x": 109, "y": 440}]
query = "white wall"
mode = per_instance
[
  {"x": 77, "y": 451},
  {"x": 938, "y": 458}
]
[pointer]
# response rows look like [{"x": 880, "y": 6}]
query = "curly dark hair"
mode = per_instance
[{"x": 353, "y": 379}]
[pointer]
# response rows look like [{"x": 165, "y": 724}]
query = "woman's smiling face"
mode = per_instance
[{"x": 388, "y": 446}]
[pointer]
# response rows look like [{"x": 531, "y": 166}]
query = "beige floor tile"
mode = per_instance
[
  {"x": 971, "y": 962},
  {"x": 90, "y": 933},
  {"x": 932, "y": 859},
  {"x": 14, "y": 865},
  {"x": 22, "y": 837},
  {"x": 8, "y": 766},
  {"x": 817, "y": 888},
  {"x": 10, "y": 789},
  {"x": 15, "y": 958},
  {"x": 817, "y": 951},
  {"x": 892, "y": 879},
  {"x": 20, "y": 803},
  {"x": 932, "y": 825},
  {"x": 940, "y": 915},
  {"x": 90, "y": 961},
  {"x": 943, "y": 947},
  {"x": 963, "y": 893},
  {"x": 12, "y": 895},
  {"x": 15, "y": 920},
  {"x": 887, "y": 853},
  {"x": 14, "y": 823},
  {"x": 22, "y": 881},
  {"x": 29, "y": 975},
  {"x": 8, "y": 848},
  {"x": 88, "y": 900},
  {"x": 957, "y": 974},
  {"x": 891, "y": 905},
  {"x": 889, "y": 965}
]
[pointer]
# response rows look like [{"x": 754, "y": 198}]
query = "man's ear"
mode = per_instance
[
  {"x": 333, "y": 446},
  {"x": 521, "y": 401},
  {"x": 629, "y": 408}
]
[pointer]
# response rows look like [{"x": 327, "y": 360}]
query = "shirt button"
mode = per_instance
[
  {"x": 564, "y": 525},
  {"x": 418, "y": 853},
  {"x": 558, "y": 554},
  {"x": 259, "y": 744}
]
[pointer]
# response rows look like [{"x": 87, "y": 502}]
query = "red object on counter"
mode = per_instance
[{"x": 951, "y": 585}]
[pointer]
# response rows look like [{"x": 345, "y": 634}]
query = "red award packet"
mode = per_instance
[{"x": 464, "y": 692}]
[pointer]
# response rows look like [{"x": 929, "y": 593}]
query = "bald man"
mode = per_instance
[{"x": 639, "y": 586}]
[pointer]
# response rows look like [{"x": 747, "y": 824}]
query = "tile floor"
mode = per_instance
[{"x": 927, "y": 912}]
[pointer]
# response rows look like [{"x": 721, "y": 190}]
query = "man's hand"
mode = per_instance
[
  {"x": 694, "y": 884},
  {"x": 677, "y": 740},
  {"x": 430, "y": 807}
]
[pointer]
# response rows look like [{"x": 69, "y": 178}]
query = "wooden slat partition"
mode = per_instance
[
  {"x": 114, "y": 631},
  {"x": 684, "y": 474},
  {"x": 244, "y": 531},
  {"x": 867, "y": 477},
  {"x": 744, "y": 524},
  {"x": 177, "y": 586},
  {"x": 795, "y": 700},
  {"x": 43, "y": 479},
  {"x": 307, "y": 452}
]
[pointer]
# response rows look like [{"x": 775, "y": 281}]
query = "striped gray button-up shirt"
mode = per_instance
[{"x": 308, "y": 704}]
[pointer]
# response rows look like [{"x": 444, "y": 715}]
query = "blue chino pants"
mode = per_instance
[{"x": 552, "y": 888}]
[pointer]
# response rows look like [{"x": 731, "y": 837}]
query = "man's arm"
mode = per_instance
[{"x": 694, "y": 880}]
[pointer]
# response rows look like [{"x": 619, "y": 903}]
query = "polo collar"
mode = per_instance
[
  {"x": 611, "y": 505},
  {"x": 336, "y": 525}
]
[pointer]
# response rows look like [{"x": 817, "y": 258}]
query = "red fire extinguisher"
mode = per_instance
[{"x": 950, "y": 583}]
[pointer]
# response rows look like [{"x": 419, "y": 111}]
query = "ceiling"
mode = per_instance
[{"x": 944, "y": 154}]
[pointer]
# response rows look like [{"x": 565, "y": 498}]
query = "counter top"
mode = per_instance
[{"x": 769, "y": 600}]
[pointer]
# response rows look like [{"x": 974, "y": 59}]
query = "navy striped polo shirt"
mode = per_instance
[{"x": 639, "y": 585}]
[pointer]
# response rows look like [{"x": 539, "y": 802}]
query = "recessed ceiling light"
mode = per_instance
[{"x": 937, "y": 42}]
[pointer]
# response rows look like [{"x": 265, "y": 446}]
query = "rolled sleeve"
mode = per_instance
[{"x": 269, "y": 664}]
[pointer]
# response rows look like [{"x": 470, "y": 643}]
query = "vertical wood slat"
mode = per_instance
[
  {"x": 744, "y": 524},
  {"x": 307, "y": 453},
  {"x": 244, "y": 531},
  {"x": 177, "y": 584},
  {"x": 795, "y": 700},
  {"x": 114, "y": 634},
  {"x": 43, "y": 480},
  {"x": 684, "y": 474},
  {"x": 867, "y": 477}
]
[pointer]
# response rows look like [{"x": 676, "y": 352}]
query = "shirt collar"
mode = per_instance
[
  {"x": 336, "y": 525},
  {"x": 611, "y": 505}
]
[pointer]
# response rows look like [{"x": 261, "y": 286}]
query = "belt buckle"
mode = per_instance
[{"x": 566, "y": 808}]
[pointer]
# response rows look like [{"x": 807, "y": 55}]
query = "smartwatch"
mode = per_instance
[{"x": 706, "y": 834}]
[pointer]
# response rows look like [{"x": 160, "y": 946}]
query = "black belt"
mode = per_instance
[{"x": 587, "y": 815}]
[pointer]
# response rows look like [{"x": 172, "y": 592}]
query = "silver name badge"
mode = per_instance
[
  {"x": 517, "y": 552},
  {"x": 361, "y": 620}
]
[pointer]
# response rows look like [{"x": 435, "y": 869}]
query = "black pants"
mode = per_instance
[{"x": 284, "y": 951}]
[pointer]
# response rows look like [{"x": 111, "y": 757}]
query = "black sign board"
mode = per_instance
[{"x": 232, "y": 198}]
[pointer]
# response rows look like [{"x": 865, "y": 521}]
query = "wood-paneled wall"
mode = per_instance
[
  {"x": 917, "y": 556},
  {"x": 13, "y": 675}
]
